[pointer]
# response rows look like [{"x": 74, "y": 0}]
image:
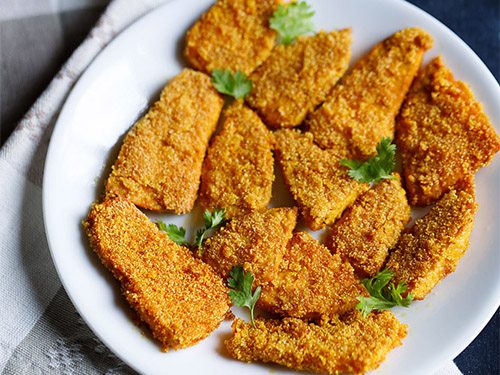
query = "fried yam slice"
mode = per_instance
[
  {"x": 435, "y": 244},
  {"x": 352, "y": 344},
  {"x": 159, "y": 164},
  {"x": 233, "y": 34},
  {"x": 443, "y": 135},
  {"x": 179, "y": 297},
  {"x": 370, "y": 227},
  {"x": 256, "y": 241},
  {"x": 319, "y": 184},
  {"x": 362, "y": 107},
  {"x": 311, "y": 282},
  {"x": 238, "y": 171},
  {"x": 296, "y": 78}
]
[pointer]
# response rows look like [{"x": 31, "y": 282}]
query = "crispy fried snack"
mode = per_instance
[
  {"x": 238, "y": 171},
  {"x": 159, "y": 164},
  {"x": 233, "y": 34},
  {"x": 443, "y": 135},
  {"x": 370, "y": 227},
  {"x": 319, "y": 184},
  {"x": 296, "y": 78},
  {"x": 179, "y": 297},
  {"x": 435, "y": 244},
  {"x": 350, "y": 345},
  {"x": 256, "y": 241},
  {"x": 362, "y": 107},
  {"x": 311, "y": 282}
]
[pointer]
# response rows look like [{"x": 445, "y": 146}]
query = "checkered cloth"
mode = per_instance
[{"x": 40, "y": 330}]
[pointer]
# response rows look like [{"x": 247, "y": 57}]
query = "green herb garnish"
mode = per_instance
[
  {"x": 178, "y": 234},
  {"x": 382, "y": 295},
  {"x": 212, "y": 221},
  {"x": 376, "y": 168},
  {"x": 175, "y": 233},
  {"x": 292, "y": 20},
  {"x": 236, "y": 85},
  {"x": 240, "y": 293}
]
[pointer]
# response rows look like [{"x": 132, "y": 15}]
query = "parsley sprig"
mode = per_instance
[
  {"x": 212, "y": 221},
  {"x": 178, "y": 234},
  {"x": 292, "y": 20},
  {"x": 240, "y": 293},
  {"x": 383, "y": 296},
  {"x": 378, "y": 167},
  {"x": 237, "y": 85},
  {"x": 175, "y": 233}
]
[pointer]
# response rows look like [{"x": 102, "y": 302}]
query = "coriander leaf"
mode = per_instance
[
  {"x": 383, "y": 295},
  {"x": 212, "y": 221},
  {"x": 367, "y": 304},
  {"x": 236, "y": 85},
  {"x": 240, "y": 293},
  {"x": 377, "y": 167},
  {"x": 292, "y": 20},
  {"x": 215, "y": 219},
  {"x": 175, "y": 233}
]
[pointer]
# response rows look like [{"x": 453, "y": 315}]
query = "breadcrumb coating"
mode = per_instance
[
  {"x": 179, "y": 297},
  {"x": 159, "y": 164},
  {"x": 352, "y": 344},
  {"x": 238, "y": 171},
  {"x": 362, "y": 107},
  {"x": 443, "y": 134},
  {"x": 435, "y": 244},
  {"x": 232, "y": 34},
  {"x": 311, "y": 282},
  {"x": 297, "y": 77},
  {"x": 319, "y": 184},
  {"x": 370, "y": 227},
  {"x": 256, "y": 241}
]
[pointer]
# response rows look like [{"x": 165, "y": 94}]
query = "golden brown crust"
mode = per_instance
[
  {"x": 159, "y": 164},
  {"x": 319, "y": 184},
  {"x": 311, "y": 282},
  {"x": 434, "y": 245},
  {"x": 238, "y": 171},
  {"x": 442, "y": 134},
  {"x": 370, "y": 227},
  {"x": 350, "y": 345},
  {"x": 179, "y": 297},
  {"x": 233, "y": 34},
  {"x": 362, "y": 107},
  {"x": 298, "y": 77},
  {"x": 256, "y": 241}
]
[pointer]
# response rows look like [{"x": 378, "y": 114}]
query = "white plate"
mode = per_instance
[{"x": 117, "y": 88}]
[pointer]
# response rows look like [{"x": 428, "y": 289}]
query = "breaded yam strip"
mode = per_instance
[
  {"x": 256, "y": 241},
  {"x": 442, "y": 133},
  {"x": 233, "y": 34},
  {"x": 435, "y": 244},
  {"x": 311, "y": 282},
  {"x": 319, "y": 184},
  {"x": 159, "y": 164},
  {"x": 370, "y": 227},
  {"x": 362, "y": 107},
  {"x": 238, "y": 171},
  {"x": 180, "y": 298},
  {"x": 350, "y": 345},
  {"x": 296, "y": 78}
]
